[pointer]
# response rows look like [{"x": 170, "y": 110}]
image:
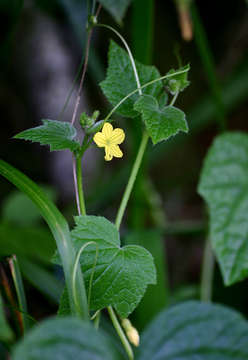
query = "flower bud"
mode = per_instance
[
  {"x": 131, "y": 332},
  {"x": 87, "y": 121}
]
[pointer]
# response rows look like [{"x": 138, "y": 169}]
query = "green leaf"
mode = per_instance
[
  {"x": 64, "y": 304},
  {"x": 65, "y": 339},
  {"x": 224, "y": 186},
  {"x": 122, "y": 273},
  {"x": 179, "y": 82},
  {"x": 31, "y": 242},
  {"x": 18, "y": 209},
  {"x": 6, "y": 333},
  {"x": 163, "y": 99},
  {"x": 120, "y": 80},
  {"x": 161, "y": 123},
  {"x": 157, "y": 295},
  {"x": 60, "y": 230},
  {"x": 117, "y": 8},
  {"x": 58, "y": 134},
  {"x": 195, "y": 330},
  {"x": 43, "y": 279}
]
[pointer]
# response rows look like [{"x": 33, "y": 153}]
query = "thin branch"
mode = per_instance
[
  {"x": 86, "y": 59},
  {"x": 75, "y": 183}
]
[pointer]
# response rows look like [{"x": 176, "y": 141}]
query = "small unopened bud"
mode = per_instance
[
  {"x": 87, "y": 121},
  {"x": 92, "y": 21},
  {"x": 131, "y": 332},
  {"x": 95, "y": 115}
]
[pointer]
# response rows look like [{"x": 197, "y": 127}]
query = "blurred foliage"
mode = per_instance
[{"x": 217, "y": 94}]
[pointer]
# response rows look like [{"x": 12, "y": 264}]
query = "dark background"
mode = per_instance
[{"x": 41, "y": 47}]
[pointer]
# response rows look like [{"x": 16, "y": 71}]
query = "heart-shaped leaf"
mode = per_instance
[
  {"x": 58, "y": 134},
  {"x": 120, "y": 80},
  {"x": 121, "y": 274},
  {"x": 161, "y": 123},
  {"x": 224, "y": 186},
  {"x": 195, "y": 330},
  {"x": 65, "y": 339}
]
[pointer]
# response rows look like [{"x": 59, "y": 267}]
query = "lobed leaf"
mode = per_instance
[
  {"x": 224, "y": 186},
  {"x": 121, "y": 274},
  {"x": 65, "y": 339},
  {"x": 120, "y": 80},
  {"x": 195, "y": 330},
  {"x": 161, "y": 123},
  {"x": 58, "y": 134}
]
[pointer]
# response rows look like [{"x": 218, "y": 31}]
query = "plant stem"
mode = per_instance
[
  {"x": 60, "y": 230},
  {"x": 142, "y": 86},
  {"x": 131, "y": 180},
  {"x": 93, "y": 6},
  {"x": 120, "y": 332},
  {"x": 86, "y": 59},
  {"x": 113, "y": 317},
  {"x": 97, "y": 320},
  {"x": 79, "y": 187},
  {"x": 76, "y": 165},
  {"x": 17, "y": 278},
  {"x": 174, "y": 99},
  {"x": 207, "y": 272},
  {"x": 129, "y": 54},
  {"x": 134, "y": 173}
]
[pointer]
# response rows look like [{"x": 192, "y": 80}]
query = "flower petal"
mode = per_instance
[
  {"x": 117, "y": 136},
  {"x": 107, "y": 130},
  {"x": 116, "y": 151},
  {"x": 108, "y": 153},
  {"x": 99, "y": 139}
]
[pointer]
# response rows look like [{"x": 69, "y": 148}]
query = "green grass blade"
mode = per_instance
[
  {"x": 17, "y": 279},
  {"x": 60, "y": 231}
]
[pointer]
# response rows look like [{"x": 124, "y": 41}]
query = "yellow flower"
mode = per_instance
[{"x": 110, "y": 138}]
